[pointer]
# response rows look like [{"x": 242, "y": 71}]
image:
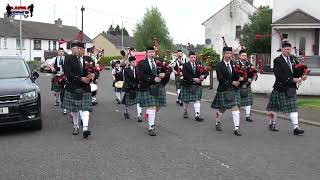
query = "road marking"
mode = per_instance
[{"x": 218, "y": 161}]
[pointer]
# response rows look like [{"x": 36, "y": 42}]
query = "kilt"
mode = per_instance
[
  {"x": 279, "y": 102},
  {"x": 247, "y": 101},
  {"x": 145, "y": 99},
  {"x": 117, "y": 89},
  {"x": 56, "y": 88},
  {"x": 129, "y": 99},
  {"x": 74, "y": 105},
  {"x": 220, "y": 102},
  {"x": 187, "y": 95},
  {"x": 177, "y": 82}
]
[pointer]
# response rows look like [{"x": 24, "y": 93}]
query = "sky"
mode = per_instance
[{"x": 183, "y": 17}]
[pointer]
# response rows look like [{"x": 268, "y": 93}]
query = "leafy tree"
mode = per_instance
[
  {"x": 118, "y": 30},
  {"x": 209, "y": 57},
  {"x": 260, "y": 23}
]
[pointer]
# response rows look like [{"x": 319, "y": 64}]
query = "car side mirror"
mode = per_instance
[{"x": 35, "y": 75}]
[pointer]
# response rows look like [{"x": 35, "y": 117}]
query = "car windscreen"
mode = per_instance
[{"x": 13, "y": 69}]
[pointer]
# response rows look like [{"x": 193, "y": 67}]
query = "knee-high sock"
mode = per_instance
[
  {"x": 294, "y": 119},
  {"x": 75, "y": 119},
  {"x": 236, "y": 119},
  {"x": 248, "y": 109},
  {"x": 178, "y": 93},
  {"x": 218, "y": 117},
  {"x": 185, "y": 106},
  {"x": 139, "y": 110},
  {"x": 56, "y": 97},
  {"x": 85, "y": 119},
  {"x": 197, "y": 106},
  {"x": 118, "y": 95},
  {"x": 273, "y": 117},
  {"x": 151, "y": 117}
]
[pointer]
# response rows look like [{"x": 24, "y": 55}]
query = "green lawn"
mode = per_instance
[{"x": 309, "y": 103}]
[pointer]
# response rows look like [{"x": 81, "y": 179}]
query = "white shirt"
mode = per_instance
[
  {"x": 228, "y": 65},
  {"x": 134, "y": 71}
]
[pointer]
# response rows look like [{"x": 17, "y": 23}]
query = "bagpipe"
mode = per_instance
[
  {"x": 59, "y": 80},
  {"x": 299, "y": 69},
  {"x": 90, "y": 68}
]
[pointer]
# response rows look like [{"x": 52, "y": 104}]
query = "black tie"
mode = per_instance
[
  {"x": 289, "y": 64},
  {"x": 229, "y": 68}
]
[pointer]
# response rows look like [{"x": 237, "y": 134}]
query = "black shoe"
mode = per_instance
[
  {"x": 181, "y": 103},
  {"x": 119, "y": 102},
  {"x": 75, "y": 131},
  {"x": 185, "y": 115},
  {"x": 218, "y": 126},
  {"x": 56, "y": 104},
  {"x": 199, "y": 119},
  {"x": 237, "y": 132},
  {"x": 152, "y": 132},
  {"x": 249, "y": 119},
  {"x": 298, "y": 131},
  {"x": 126, "y": 115},
  {"x": 139, "y": 119},
  {"x": 86, "y": 134},
  {"x": 273, "y": 127},
  {"x": 94, "y": 103},
  {"x": 178, "y": 102}
]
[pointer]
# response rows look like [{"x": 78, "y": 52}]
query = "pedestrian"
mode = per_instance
[{"x": 117, "y": 76}]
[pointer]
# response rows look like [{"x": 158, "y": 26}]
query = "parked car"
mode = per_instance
[{"x": 20, "y": 99}]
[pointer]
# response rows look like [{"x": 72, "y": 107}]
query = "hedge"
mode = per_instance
[
  {"x": 34, "y": 65},
  {"x": 107, "y": 59}
]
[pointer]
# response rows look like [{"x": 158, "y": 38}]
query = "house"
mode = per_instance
[
  {"x": 228, "y": 23},
  {"x": 37, "y": 38},
  {"x": 112, "y": 44},
  {"x": 298, "y": 22}
]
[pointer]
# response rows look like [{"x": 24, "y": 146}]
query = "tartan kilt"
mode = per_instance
[
  {"x": 280, "y": 102},
  {"x": 247, "y": 101},
  {"x": 177, "y": 82},
  {"x": 145, "y": 99},
  {"x": 220, "y": 102},
  {"x": 187, "y": 95},
  {"x": 56, "y": 88},
  {"x": 129, "y": 99},
  {"x": 74, "y": 105}
]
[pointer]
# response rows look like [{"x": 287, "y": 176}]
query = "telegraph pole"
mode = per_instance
[
  {"x": 82, "y": 9},
  {"x": 20, "y": 34}
]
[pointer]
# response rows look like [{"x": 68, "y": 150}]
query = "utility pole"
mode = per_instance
[
  {"x": 122, "y": 35},
  {"x": 20, "y": 34},
  {"x": 82, "y": 9}
]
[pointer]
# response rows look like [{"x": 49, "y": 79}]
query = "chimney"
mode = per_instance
[
  {"x": 58, "y": 22},
  {"x": 250, "y": 2}
]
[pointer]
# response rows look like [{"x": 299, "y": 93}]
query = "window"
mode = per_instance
[
  {"x": 68, "y": 45},
  {"x": 302, "y": 45},
  {"x": 37, "y": 44},
  {"x": 49, "y": 45},
  {"x": 54, "y": 45},
  {"x": 238, "y": 32},
  {"x": 5, "y": 43},
  {"x": 18, "y": 43},
  {"x": 285, "y": 37}
]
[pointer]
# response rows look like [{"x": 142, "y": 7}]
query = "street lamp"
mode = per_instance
[{"x": 82, "y": 9}]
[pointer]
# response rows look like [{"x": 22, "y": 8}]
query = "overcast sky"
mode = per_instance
[{"x": 183, "y": 17}]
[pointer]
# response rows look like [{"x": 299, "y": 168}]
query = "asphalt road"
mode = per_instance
[{"x": 184, "y": 149}]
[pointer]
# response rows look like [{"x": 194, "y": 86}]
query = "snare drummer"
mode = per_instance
[
  {"x": 117, "y": 75},
  {"x": 56, "y": 66}
]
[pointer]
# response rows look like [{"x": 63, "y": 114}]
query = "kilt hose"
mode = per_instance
[
  {"x": 147, "y": 100},
  {"x": 220, "y": 101},
  {"x": 280, "y": 102},
  {"x": 130, "y": 98},
  {"x": 247, "y": 100},
  {"x": 56, "y": 88},
  {"x": 189, "y": 94},
  {"x": 72, "y": 104}
]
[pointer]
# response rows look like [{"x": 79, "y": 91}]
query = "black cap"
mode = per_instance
[
  {"x": 150, "y": 48},
  {"x": 132, "y": 58},
  {"x": 117, "y": 62},
  {"x": 131, "y": 49},
  {"x": 179, "y": 50},
  {"x": 74, "y": 44},
  {"x": 242, "y": 51},
  {"x": 286, "y": 44},
  {"x": 61, "y": 49},
  {"x": 192, "y": 53},
  {"x": 227, "y": 49},
  {"x": 82, "y": 45},
  {"x": 122, "y": 53}
]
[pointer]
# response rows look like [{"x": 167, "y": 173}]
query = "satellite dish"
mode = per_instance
[{"x": 208, "y": 41}]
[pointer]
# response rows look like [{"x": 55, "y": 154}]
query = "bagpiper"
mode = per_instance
[
  {"x": 58, "y": 79},
  {"x": 284, "y": 96},
  {"x": 130, "y": 87},
  {"x": 249, "y": 74},
  {"x": 151, "y": 94},
  {"x": 117, "y": 75},
  {"x": 177, "y": 66},
  {"x": 77, "y": 95},
  {"x": 191, "y": 90},
  {"x": 228, "y": 95}
]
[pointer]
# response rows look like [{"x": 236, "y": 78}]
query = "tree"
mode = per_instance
[
  {"x": 152, "y": 25},
  {"x": 118, "y": 30},
  {"x": 125, "y": 32},
  {"x": 111, "y": 30},
  {"x": 260, "y": 23},
  {"x": 209, "y": 57}
]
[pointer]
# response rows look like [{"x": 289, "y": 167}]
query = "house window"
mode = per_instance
[
  {"x": 54, "y": 45},
  {"x": 49, "y": 45},
  {"x": 285, "y": 37},
  {"x": 302, "y": 45},
  {"x": 18, "y": 43},
  {"x": 5, "y": 43},
  {"x": 37, "y": 44},
  {"x": 238, "y": 32}
]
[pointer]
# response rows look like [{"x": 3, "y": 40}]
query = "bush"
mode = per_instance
[
  {"x": 34, "y": 65},
  {"x": 209, "y": 57},
  {"x": 105, "y": 61}
]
